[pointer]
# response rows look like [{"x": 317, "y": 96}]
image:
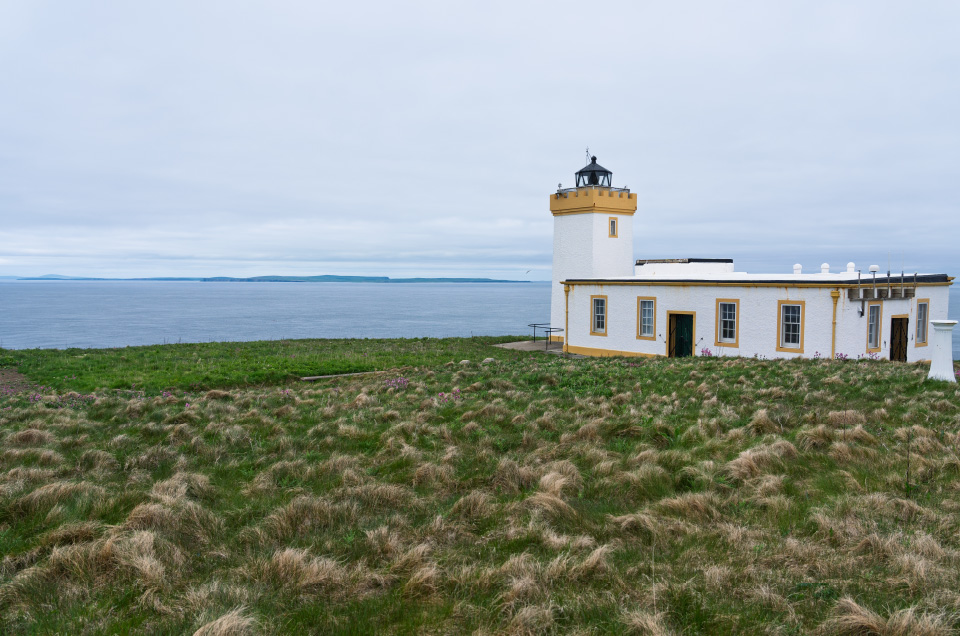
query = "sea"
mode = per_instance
[{"x": 92, "y": 314}]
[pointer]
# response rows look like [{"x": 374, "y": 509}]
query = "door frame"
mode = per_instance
[
  {"x": 693, "y": 335},
  {"x": 906, "y": 332}
]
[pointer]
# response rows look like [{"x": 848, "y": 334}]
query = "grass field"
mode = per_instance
[
  {"x": 528, "y": 495},
  {"x": 214, "y": 365}
]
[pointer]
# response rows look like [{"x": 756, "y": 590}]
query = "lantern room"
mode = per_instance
[{"x": 594, "y": 175}]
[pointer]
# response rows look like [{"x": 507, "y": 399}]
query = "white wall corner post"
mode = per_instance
[{"x": 941, "y": 361}]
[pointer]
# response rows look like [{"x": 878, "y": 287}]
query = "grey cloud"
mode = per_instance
[{"x": 163, "y": 138}]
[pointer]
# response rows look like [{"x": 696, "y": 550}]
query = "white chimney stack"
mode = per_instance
[
  {"x": 798, "y": 268},
  {"x": 851, "y": 267},
  {"x": 825, "y": 268}
]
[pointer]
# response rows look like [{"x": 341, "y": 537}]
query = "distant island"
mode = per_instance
[{"x": 327, "y": 278}]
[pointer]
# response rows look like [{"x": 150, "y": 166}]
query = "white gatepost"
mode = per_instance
[{"x": 941, "y": 362}]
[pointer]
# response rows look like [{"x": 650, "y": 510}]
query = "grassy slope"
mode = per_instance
[
  {"x": 695, "y": 496},
  {"x": 213, "y": 365}
]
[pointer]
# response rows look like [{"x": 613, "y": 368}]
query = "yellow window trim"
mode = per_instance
[
  {"x": 606, "y": 316},
  {"x": 803, "y": 320},
  {"x": 654, "y": 336},
  {"x": 879, "y": 305},
  {"x": 736, "y": 335},
  {"x": 916, "y": 341},
  {"x": 694, "y": 335},
  {"x": 613, "y": 223}
]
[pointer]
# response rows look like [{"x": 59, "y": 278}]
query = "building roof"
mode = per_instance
[
  {"x": 787, "y": 280},
  {"x": 593, "y": 166},
  {"x": 648, "y": 261}
]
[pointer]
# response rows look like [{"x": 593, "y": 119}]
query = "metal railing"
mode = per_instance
[
  {"x": 591, "y": 187},
  {"x": 547, "y": 330}
]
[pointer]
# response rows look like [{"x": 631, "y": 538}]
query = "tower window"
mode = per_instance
[{"x": 613, "y": 226}]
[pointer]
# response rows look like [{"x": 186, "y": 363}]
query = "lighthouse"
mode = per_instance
[{"x": 592, "y": 232}]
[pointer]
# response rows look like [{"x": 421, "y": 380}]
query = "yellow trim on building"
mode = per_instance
[
  {"x": 835, "y": 294},
  {"x": 716, "y": 331},
  {"x": 803, "y": 321},
  {"x": 693, "y": 336},
  {"x": 879, "y": 306},
  {"x": 613, "y": 225},
  {"x": 602, "y": 353},
  {"x": 592, "y": 200},
  {"x": 892, "y": 318},
  {"x": 606, "y": 316},
  {"x": 916, "y": 341},
  {"x": 654, "y": 336}
]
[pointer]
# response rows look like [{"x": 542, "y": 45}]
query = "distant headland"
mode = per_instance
[{"x": 327, "y": 278}]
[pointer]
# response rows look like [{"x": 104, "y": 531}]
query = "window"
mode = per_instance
[
  {"x": 727, "y": 328},
  {"x": 923, "y": 318},
  {"x": 646, "y": 318},
  {"x": 612, "y": 222},
  {"x": 790, "y": 326},
  {"x": 873, "y": 327},
  {"x": 598, "y": 315}
]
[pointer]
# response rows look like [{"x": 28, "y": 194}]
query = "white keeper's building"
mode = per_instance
[{"x": 607, "y": 303}]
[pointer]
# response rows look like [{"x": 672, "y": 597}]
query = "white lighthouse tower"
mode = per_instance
[{"x": 592, "y": 233}]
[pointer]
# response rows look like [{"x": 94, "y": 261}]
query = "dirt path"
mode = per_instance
[{"x": 11, "y": 381}]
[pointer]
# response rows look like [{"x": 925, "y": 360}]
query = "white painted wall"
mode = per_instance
[
  {"x": 758, "y": 319},
  {"x": 582, "y": 248},
  {"x": 852, "y": 328}
]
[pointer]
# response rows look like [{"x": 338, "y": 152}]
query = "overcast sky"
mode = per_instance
[{"x": 402, "y": 138}]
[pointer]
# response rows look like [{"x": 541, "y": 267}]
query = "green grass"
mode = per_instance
[
  {"x": 212, "y": 365},
  {"x": 697, "y": 496}
]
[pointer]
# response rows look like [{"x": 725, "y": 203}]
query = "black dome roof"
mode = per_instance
[{"x": 593, "y": 174}]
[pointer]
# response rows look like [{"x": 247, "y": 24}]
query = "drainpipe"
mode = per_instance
[
  {"x": 835, "y": 294},
  {"x": 566, "y": 317}
]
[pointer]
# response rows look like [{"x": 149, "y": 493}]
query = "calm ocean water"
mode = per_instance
[{"x": 61, "y": 314}]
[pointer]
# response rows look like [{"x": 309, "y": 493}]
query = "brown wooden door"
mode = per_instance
[{"x": 898, "y": 339}]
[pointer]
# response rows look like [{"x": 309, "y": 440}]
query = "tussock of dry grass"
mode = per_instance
[
  {"x": 550, "y": 505},
  {"x": 646, "y": 624},
  {"x": 761, "y": 459},
  {"x": 301, "y": 516},
  {"x": 852, "y": 619},
  {"x": 30, "y": 437},
  {"x": 233, "y": 623},
  {"x": 693, "y": 506}
]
